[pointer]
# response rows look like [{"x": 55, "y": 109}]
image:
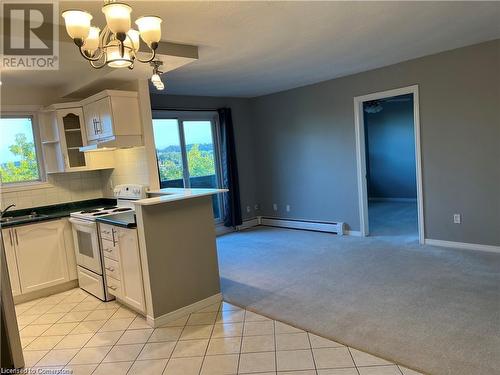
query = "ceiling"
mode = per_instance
[{"x": 249, "y": 49}]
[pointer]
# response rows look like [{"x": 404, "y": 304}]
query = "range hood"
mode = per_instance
[{"x": 114, "y": 142}]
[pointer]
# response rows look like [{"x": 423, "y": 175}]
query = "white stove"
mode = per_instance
[
  {"x": 89, "y": 256},
  {"x": 124, "y": 194}
]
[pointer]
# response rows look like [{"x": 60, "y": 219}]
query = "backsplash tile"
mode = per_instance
[
  {"x": 131, "y": 167},
  {"x": 66, "y": 187}
]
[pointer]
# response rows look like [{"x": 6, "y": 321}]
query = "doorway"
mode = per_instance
[{"x": 388, "y": 163}]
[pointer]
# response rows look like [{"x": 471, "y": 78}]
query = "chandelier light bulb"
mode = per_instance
[
  {"x": 92, "y": 42},
  {"x": 117, "y": 17},
  {"x": 150, "y": 29},
  {"x": 77, "y": 23},
  {"x": 155, "y": 78},
  {"x": 133, "y": 39},
  {"x": 114, "y": 58},
  {"x": 160, "y": 86}
]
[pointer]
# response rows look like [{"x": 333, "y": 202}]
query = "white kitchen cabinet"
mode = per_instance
[
  {"x": 41, "y": 255},
  {"x": 112, "y": 117},
  {"x": 10, "y": 255},
  {"x": 63, "y": 133},
  {"x": 123, "y": 265}
]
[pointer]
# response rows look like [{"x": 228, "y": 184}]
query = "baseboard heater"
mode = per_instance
[{"x": 337, "y": 228}]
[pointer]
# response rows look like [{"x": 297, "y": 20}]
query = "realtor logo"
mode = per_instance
[{"x": 30, "y": 35}]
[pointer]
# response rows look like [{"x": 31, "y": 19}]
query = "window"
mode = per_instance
[
  {"x": 187, "y": 150},
  {"x": 19, "y": 160}
]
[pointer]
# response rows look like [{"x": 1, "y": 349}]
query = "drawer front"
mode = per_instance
[
  {"x": 109, "y": 250},
  {"x": 112, "y": 268},
  {"x": 114, "y": 287},
  {"x": 106, "y": 231},
  {"x": 91, "y": 282}
]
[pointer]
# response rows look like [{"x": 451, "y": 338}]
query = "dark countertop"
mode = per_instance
[
  {"x": 55, "y": 211},
  {"x": 123, "y": 219}
]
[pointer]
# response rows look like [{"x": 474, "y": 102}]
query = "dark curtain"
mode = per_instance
[{"x": 232, "y": 205}]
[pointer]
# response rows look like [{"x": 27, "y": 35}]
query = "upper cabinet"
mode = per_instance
[
  {"x": 112, "y": 119},
  {"x": 63, "y": 133}
]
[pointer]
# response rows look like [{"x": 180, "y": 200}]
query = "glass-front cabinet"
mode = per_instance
[{"x": 71, "y": 122}]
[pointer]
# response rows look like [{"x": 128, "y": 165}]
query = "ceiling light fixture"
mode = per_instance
[
  {"x": 155, "y": 78},
  {"x": 117, "y": 45}
]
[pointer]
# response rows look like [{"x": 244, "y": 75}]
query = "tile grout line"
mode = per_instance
[
  {"x": 352, "y": 358},
  {"x": 241, "y": 339},
  {"x": 312, "y": 353}
]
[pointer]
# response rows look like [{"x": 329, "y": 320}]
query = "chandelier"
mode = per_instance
[{"x": 117, "y": 45}]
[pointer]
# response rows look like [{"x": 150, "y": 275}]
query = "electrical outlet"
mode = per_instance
[
  {"x": 275, "y": 207},
  {"x": 287, "y": 208},
  {"x": 457, "y": 219},
  {"x": 249, "y": 209},
  {"x": 256, "y": 207}
]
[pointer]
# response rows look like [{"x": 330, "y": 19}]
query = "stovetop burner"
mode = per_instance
[
  {"x": 121, "y": 209},
  {"x": 89, "y": 211}
]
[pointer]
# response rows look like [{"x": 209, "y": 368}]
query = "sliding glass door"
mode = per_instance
[{"x": 187, "y": 149}]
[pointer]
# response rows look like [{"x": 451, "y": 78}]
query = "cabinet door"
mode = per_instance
[
  {"x": 72, "y": 137},
  {"x": 131, "y": 270},
  {"x": 10, "y": 255},
  {"x": 41, "y": 255},
  {"x": 105, "y": 125},
  {"x": 91, "y": 114}
]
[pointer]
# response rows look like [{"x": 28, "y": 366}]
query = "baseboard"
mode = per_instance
[
  {"x": 249, "y": 223},
  {"x": 46, "y": 292},
  {"x": 412, "y": 200},
  {"x": 177, "y": 314},
  {"x": 462, "y": 245},
  {"x": 337, "y": 228}
]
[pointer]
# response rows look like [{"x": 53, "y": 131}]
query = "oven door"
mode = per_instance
[{"x": 88, "y": 254}]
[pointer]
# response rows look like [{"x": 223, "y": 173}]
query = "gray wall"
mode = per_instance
[
  {"x": 390, "y": 144},
  {"x": 305, "y": 143},
  {"x": 243, "y": 129}
]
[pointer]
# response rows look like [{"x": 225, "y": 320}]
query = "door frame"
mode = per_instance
[{"x": 361, "y": 154}]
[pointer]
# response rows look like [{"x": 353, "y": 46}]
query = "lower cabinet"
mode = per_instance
[
  {"x": 39, "y": 255},
  {"x": 10, "y": 255},
  {"x": 122, "y": 265}
]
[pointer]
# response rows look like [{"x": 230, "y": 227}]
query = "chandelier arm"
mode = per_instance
[
  {"x": 153, "y": 55},
  {"x": 89, "y": 58},
  {"x": 95, "y": 66}
]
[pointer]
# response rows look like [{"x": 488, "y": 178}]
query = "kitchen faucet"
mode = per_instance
[{"x": 6, "y": 209}]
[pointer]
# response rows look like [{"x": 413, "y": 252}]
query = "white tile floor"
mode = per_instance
[{"x": 75, "y": 331}]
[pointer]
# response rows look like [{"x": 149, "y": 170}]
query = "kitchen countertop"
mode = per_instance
[
  {"x": 55, "y": 211},
  {"x": 122, "y": 219},
  {"x": 175, "y": 194}
]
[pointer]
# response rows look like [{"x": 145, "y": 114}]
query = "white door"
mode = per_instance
[
  {"x": 131, "y": 270},
  {"x": 10, "y": 255},
  {"x": 41, "y": 255},
  {"x": 86, "y": 241}
]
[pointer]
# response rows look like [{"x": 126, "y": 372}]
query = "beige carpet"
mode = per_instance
[{"x": 432, "y": 309}]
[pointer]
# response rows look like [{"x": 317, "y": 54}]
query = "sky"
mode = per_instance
[
  {"x": 9, "y": 127},
  {"x": 166, "y": 132}
]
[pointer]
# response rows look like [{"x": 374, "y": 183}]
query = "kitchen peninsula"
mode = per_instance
[{"x": 177, "y": 242}]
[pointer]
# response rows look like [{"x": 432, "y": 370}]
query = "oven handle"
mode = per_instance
[{"x": 81, "y": 222}]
